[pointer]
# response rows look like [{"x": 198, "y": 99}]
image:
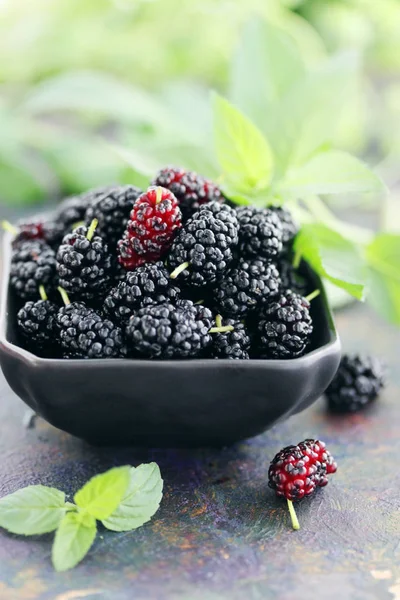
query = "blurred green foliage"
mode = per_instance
[{"x": 137, "y": 72}]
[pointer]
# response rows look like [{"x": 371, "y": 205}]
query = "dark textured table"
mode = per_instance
[{"x": 220, "y": 532}]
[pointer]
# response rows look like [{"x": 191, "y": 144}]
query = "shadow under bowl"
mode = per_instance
[{"x": 181, "y": 403}]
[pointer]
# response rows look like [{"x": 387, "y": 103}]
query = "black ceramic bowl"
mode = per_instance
[{"x": 166, "y": 403}]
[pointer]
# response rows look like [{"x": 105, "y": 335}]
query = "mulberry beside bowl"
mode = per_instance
[{"x": 200, "y": 402}]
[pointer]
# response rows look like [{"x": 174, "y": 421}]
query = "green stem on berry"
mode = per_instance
[
  {"x": 64, "y": 296},
  {"x": 219, "y": 327},
  {"x": 159, "y": 192},
  {"x": 297, "y": 260},
  {"x": 7, "y": 226},
  {"x": 42, "y": 292},
  {"x": 199, "y": 302},
  {"x": 179, "y": 270},
  {"x": 313, "y": 295},
  {"x": 92, "y": 229},
  {"x": 293, "y": 516},
  {"x": 77, "y": 224}
]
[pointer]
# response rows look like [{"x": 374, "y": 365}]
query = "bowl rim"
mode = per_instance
[{"x": 34, "y": 360}]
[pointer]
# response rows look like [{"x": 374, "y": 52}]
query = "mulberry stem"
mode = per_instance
[
  {"x": 179, "y": 270},
  {"x": 313, "y": 295},
  {"x": 7, "y": 226},
  {"x": 64, "y": 296},
  {"x": 159, "y": 192},
  {"x": 42, "y": 292},
  {"x": 293, "y": 516},
  {"x": 92, "y": 229},
  {"x": 297, "y": 260}
]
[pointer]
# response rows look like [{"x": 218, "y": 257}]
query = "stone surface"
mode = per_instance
[{"x": 220, "y": 532}]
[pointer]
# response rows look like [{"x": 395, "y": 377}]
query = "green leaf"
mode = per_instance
[
  {"x": 383, "y": 256},
  {"x": 242, "y": 151},
  {"x": 73, "y": 540},
  {"x": 33, "y": 510},
  {"x": 332, "y": 172},
  {"x": 101, "y": 495},
  {"x": 266, "y": 64},
  {"x": 142, "y": 499},
  {"x": 332, "y": 256}
]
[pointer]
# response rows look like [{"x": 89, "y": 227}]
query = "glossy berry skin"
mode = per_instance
[
  {"x": 153, "y": 223},
  {"x": 84, "y": 266},
  {"x": 232, "y": 345},
  {"x": 50, "y": 232},
  {"x": 145, "y": 285},
  {"x": 167, "y": 331},
  {"x": 260, "y": 234},
  {"x": 297, "y": 471},
  {"x": 207, "y": 242},
  {"x": 190, "y": 189},
  {"x": 289, "y": 226},
  {"x": 72, "y": 210},
  {"x": 33, "y": 263},
  {"x": 291, "y": 279},
  {"x": 356, "y": 384},
  {"x": 36, "y": 320},
  {"x": 83, "y": 333},
  {"x": 247, "y": 287},
  {"x": 112, "y": 210},
  {"x": 285, "y": 327}
]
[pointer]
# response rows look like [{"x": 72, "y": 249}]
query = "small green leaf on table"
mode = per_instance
[
  {"x": 33, "y": 510},
  {"x": 141, "y": 501},
  {"x": 73, "y": 540},
  {"x": 103, "y": 493}
]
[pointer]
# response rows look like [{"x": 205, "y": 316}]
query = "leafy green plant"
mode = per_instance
[{"x": 123, "y": 499}]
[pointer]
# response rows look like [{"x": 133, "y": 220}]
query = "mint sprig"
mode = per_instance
[{"x": 123, "y": 498}]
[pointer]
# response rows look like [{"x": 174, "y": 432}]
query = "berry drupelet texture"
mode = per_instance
[
  {"x": 112, "y": 210},
  {"x": 154, "y": 221},
  {"x": 289, "y": 226},
  {"x": 285, "y": 327},
  {"x": 84, "y": 264},
  {"x": 33, "y": 263},
  {"x": 203, "y": 249},
  {"x": 85, "y": 334},
  {"x": 190, "y": 189},
  {"x": 234, "y": 344},
  {"x": 260, "y": 233},
  {"x": 247, "y": 287},
  {"x": 356, "y": 384},
  {"x": 297, "y": 471},
  {"x": 36, "y": 323},
  {"x": 148, "y": 284},
  {"x": 50, "y": 232},
  {"x": 167, "y": 331},
  {"x": 291, "y": 278}
]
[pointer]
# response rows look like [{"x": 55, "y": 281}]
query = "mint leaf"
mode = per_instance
[
  {"x": 332, "y": 172},
  {"x": 243, "y": 153},
  {"x": 383, "y": 256},
  {"x": 73, "y": 540},
  {"x": 332, "y": 256},
  {"x": 142, "y": 499},
  {"x": 265, "y": 66},
  {"x": 102, "y": 494},
  {"x": 33, "y": 510}
]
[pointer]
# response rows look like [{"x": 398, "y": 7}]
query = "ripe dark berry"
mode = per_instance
[
  {"x": 203, "y": 249},
  {"x": 170, "y": 331},
  {"x": 190, "y": 189},
  {"x": 356, "y": 384},
  {"x": 260, "y": 233},
  {"x": 50, "y": 232},
  {"x": 84, "y": 264},
  {"x": 289, "y": 226},
  {"x": 154, "y": 221},
  {"x": 85, "y": 334},
  {"x": 233, "y": 343},
  {"x": 285, "y": 327},
  {"x": 33, "y": 263},
  {"x": 36, "y": 321},
  {"x": 296, "y": 471},
  {"x": 291, "y": 278},
  {"x": 246, "y": 287},
  {"x": 148, "y": 284},
  {"x": 112, "y": 210}
]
